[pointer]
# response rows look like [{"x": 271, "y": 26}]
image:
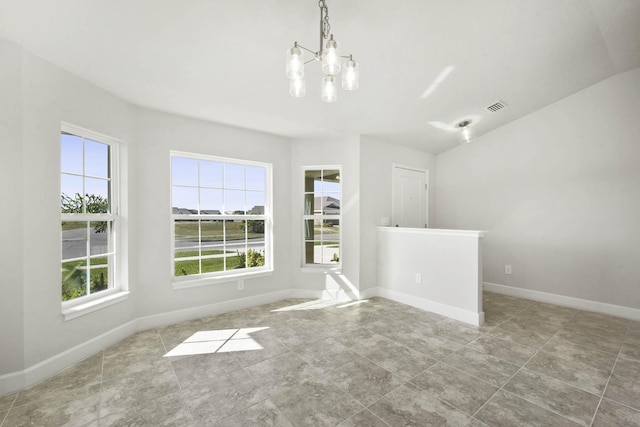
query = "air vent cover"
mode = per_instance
[{"x": 496, "y": 106}]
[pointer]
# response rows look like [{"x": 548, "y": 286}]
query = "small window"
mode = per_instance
[
  {"x": 88, "y": 208},
  {"x": 221, "y": 216},
  {"x": 322, "y": 216}
]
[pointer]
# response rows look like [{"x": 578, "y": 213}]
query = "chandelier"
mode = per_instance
[{"x": 328, "y": 56}]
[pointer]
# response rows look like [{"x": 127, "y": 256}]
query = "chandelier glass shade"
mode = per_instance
[{"x": 329, "y": 59}]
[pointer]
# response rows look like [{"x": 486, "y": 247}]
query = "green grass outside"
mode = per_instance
[
  {"x": 74, "y": 277},
  {"x": 209, "y": 265},
  {"x": 212, "y": 231}
]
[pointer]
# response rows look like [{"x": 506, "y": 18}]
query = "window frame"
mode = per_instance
[
  {"x": 201, "y": 279},
  {"x": 322, "y": 267},
  {"x": 117, "y": 278}
]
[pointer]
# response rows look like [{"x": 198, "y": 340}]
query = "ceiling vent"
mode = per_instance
[{"x": 496, "y": 106}]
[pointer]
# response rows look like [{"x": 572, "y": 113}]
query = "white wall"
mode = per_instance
[
  {"x": 157, "y": 134},
  {"x": 376, "y": 162},
  {"x": 11, "y": 196},
  {"x": 44, "y": 97},
  {"x": 559, "y": 193}
]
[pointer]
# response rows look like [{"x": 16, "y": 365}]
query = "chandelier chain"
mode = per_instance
[{"x": 326, "y": 27}]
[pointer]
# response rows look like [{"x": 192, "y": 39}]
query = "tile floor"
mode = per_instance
[{"x": 372, "y": 363}]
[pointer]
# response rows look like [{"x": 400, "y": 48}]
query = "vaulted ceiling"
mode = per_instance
[{"x": 425, "y": 64}]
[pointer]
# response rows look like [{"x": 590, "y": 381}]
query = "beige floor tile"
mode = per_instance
[
  {"x": 482, "y": 366},
  {"x": 613, "y": 414},
  {"x": 624, "y": 385},
  {"x": 554, "y": 395},
  {"x": 571, "y": 371},
  {"x": 408, "y": 405},
  {"x": 364, "y": 380},
  {"x": 364, "y": 418},
  {"x": 323, "y": 405},
  {"x": 502, "y": 349},
  {"x": 506, "y": 409},
  {"x": 455, "y": 387}
]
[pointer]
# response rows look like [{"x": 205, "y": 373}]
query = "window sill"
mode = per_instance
[
  {"x": 213, "y": 280},
  {"x": 322, "y": 269},
  {"x": 89, "y": 307}
]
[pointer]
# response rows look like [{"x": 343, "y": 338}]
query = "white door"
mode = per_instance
[{"x": 409, "y": 197}]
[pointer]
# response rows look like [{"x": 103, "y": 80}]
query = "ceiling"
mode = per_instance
[{"x": 421, "y": 61}]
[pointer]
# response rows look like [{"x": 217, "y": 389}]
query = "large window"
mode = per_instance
[
  {"x": 221, "y": 215},
  {"x": 88, "y": 206},
  {"x": 322, "y": 218}
]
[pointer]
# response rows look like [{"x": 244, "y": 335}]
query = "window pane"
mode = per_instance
[
  {"x": 235, "y": 233},
  {"x": 331, "y": 229},
  {"x": 99, "y": 236},
  {"x": 99, "y": 273},
  {"x": 187, "y": 238},
  {"x": 331, "y": 204},
  {"x": 308, "y": 229},
  {"x": 184, "y": 200},
  {"x": 186, "y": 268},
  {"x": 233, "y": 176},
  {"x": 256, "y": 177},
  {"x": 213, "y": 264},
  {"x": 255, "y": 202},
  {"x": 210, "y": 174},
  {"x": 212, "y": 234},
  {"x": 210, "y": 201},
  {"x": 313, "y": 253},
  {"x": 331, "y": 181},
  {"x": 234, "y": 202},
  {"x": 96, "y": 159},
  {"x": 184, "y": 171},
  {"x": 96, "y": 195},
  {"x": 71, "y": 191},
  {"x": 308, "y": 204},
  {"x": 255, "y": 243},
  {"x": 74, "y": 240},
  {"x": 74, "y": 279},
  {"x": 311, "y": 179},
  {"x": 330, "y": 252},
  {"x": 70, "y": 153}
]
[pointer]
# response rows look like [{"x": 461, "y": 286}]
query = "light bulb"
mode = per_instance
[
  {"x": 295, "y": 65},
  {"x": 350, "y": 77},
  {"x": 296, "y": 88},
  {"x": 330, "y": 58},
  {"x": 329, "y": 93},
  {"x": 465, "y": 131}
]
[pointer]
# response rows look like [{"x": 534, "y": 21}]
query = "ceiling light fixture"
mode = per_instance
[
  {"x": 328, "y": 56},
  {"x": 465, "y": 131}
]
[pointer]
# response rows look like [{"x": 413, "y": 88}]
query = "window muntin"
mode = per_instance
[
  {"x": 87, "y": 206},
  {"x": 221, "y": 216},
  {"x": 322, "y": 216}
]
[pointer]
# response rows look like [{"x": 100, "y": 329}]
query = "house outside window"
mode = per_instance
[
  {"x": 89, "y": 213},
  {"x": 221, "y": 216},
  {"x": 322, "y": 216}
]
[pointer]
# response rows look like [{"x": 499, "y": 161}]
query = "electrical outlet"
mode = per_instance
[
  {"x": 418, "y": 278},
  {"x": 240, "y": 285},
  {"x": 507, "y": 269}
]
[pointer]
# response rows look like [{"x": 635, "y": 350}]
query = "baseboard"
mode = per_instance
[
  {"x": 176, "y": 316},
  {"x": 579, "y": 303},
  {"x": 432, "y": 306},
  {"x": 40, "y": 371},
  {"x": 19, "y": 380}
]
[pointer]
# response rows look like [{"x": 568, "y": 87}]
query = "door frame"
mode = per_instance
[{"x": 394, "y": 167}]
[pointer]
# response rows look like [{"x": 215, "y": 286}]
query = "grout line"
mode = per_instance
[
  {"x": 593, "y": 418},
  {"x": 101, "y": 385},
  {"x": 10, "y": 408}
]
